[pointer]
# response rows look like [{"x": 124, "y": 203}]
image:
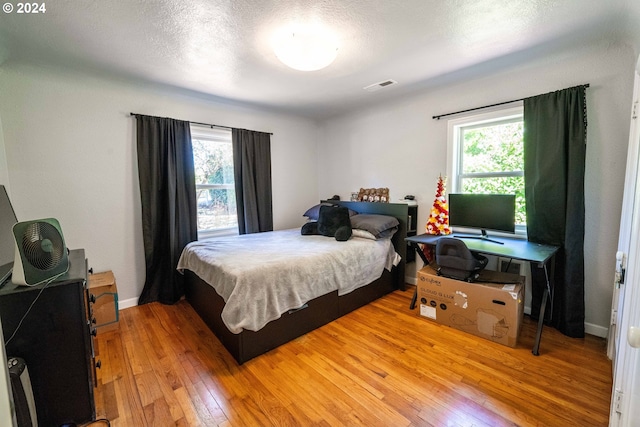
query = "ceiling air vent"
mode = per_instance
[{"x": 377, "y": 86}]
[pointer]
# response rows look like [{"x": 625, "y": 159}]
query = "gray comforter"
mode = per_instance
[{"x": 263, "y": 275}]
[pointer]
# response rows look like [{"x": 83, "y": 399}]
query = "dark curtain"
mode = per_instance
[
  {"x": 167, "y": 190},
  {"x": 252, "y": 173},
  {"x": 555, "y": 131}
]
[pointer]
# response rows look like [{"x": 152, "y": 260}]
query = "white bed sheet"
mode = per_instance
[{"x": 260, "y": 276}]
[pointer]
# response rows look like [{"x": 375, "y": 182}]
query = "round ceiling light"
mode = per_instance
[{"x": 306, "y": 49}]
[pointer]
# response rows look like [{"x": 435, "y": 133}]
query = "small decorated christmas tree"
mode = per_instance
[{"x": 438, "y": 222}]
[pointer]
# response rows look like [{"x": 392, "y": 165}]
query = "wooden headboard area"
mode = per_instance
[{"x": 398, "y": 210}]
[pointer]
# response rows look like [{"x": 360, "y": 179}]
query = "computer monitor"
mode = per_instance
[
  {"x": 483, "y": 211},
  {"x": 7, "y": 245}
]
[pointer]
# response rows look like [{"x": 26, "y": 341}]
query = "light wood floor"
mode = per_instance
[{"x": 380, "y": 365}]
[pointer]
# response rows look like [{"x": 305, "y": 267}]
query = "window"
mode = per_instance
[
  {"x": 487, "y": 156},
  {"x": 215, "y": 189}
]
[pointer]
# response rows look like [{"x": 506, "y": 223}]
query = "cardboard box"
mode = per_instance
[
  {"x": 105, "y": 308},
  {"x": 488, "y": 310}
]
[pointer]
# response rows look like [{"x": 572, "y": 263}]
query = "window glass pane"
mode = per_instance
[
  {"x": 492, "y": 148},
  {"x": 499, "y": 185},
  {"x": 213, "y": 161},
  {"x": 216, "y": 209},
  {"x": 215, "y": 190}
]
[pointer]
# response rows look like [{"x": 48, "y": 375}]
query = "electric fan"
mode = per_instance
[{"x": 41, "y": 254}]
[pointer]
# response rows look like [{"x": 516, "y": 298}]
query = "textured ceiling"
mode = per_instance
[{"x": 222, "y": 48}]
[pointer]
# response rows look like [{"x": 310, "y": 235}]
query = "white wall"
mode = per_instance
[
  {"x": 4, "y": 169},
  {"x": 398, "y": 145},
  {"x": 71, "y": 155}
]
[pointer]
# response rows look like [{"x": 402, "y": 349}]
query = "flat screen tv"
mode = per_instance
[{"x": 495, "y": 212}]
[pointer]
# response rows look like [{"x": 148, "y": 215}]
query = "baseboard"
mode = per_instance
[
  {"x": 131, "y": 302},
  {"x": 597, "y": 330}
]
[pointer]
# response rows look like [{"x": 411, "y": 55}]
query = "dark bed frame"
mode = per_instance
[{"x": 317, "y": 312}]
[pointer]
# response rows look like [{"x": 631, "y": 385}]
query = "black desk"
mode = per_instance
[{"x": 543, "y": 255}]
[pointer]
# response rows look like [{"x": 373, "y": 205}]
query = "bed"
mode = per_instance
[{"x": 288, "y": 314}]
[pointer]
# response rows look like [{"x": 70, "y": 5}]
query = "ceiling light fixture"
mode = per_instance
[{"x": 305, "y": 49}]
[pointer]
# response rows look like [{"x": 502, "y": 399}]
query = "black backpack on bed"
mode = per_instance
[{"x": 456, "y": 261}]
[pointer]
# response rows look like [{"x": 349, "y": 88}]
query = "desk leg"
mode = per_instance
[
  {"x": 414, "y": 299},
  {"x": 543, "y": 307},
  {"x": 418, "y": 250},
  {"x": 536, "y": 346}
]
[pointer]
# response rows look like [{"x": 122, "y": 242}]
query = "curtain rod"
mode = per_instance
[
  {"x": 203, "y": 124},
  {"x": 489, "y": 106}
]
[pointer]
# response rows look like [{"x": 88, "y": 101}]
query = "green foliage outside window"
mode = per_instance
[{"x": 493, "y": 162}]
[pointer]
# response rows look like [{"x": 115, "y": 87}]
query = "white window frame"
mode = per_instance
[
  {"x": 496, "y": 115},
  {"x": 219, "y": 135}
]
